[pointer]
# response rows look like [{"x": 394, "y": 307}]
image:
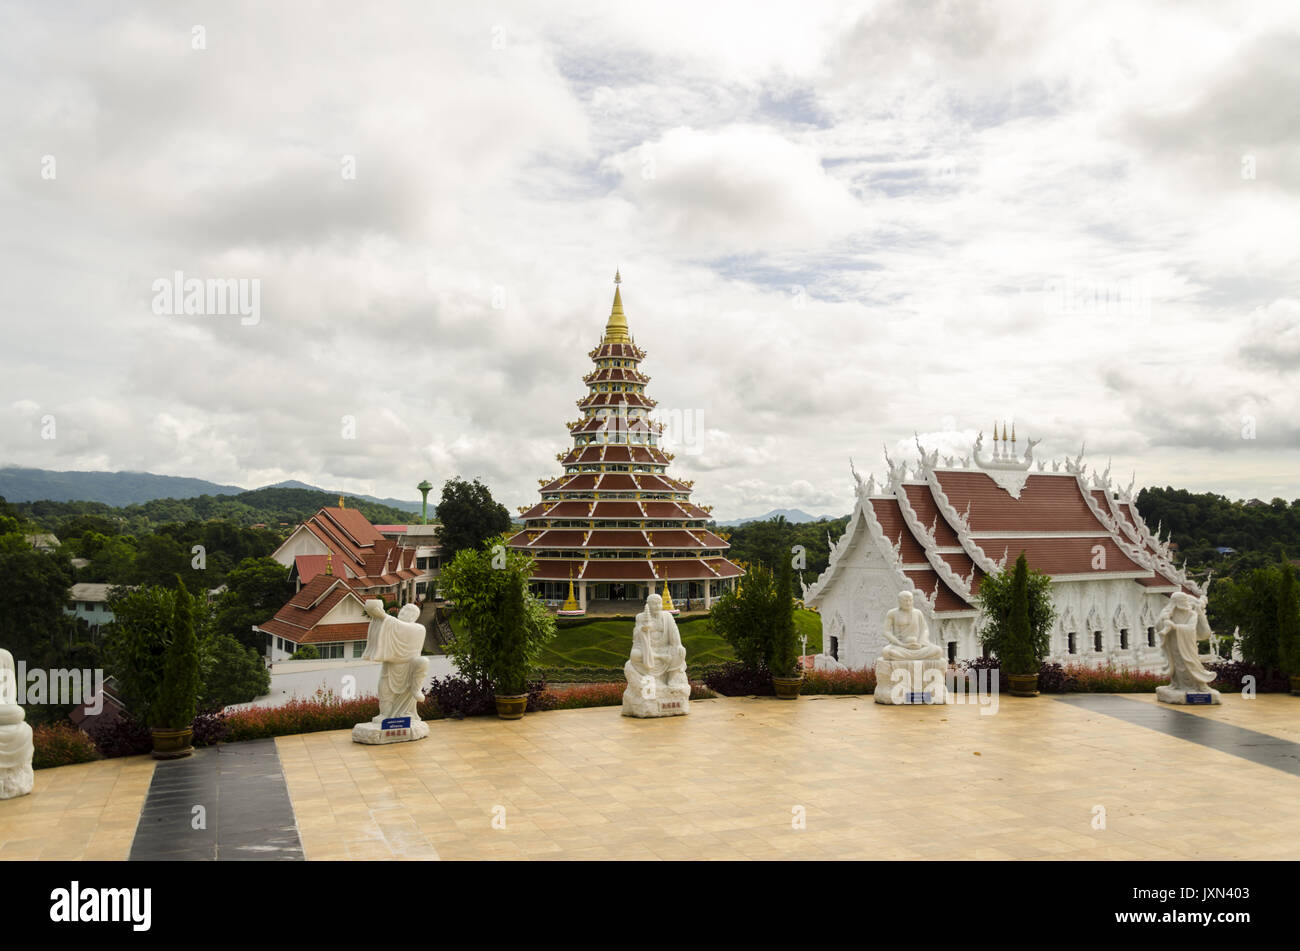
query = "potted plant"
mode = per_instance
[
  {"x": 1288, "y": 627},
  {"x": 503, "y": 626},
  {"x": 1018, "y": 614},
  {"x": 783, "y": 650},
  {"x": 171, "y": 716}
]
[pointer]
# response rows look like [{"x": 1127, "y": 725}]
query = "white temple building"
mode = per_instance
[{"x": 939, "y": 528}]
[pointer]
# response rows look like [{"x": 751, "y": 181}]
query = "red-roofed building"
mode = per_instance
[
  {"x": 338, "y": 561},
  {"x": 940, "y": 529},
  {"x": 615, "y": 524}
]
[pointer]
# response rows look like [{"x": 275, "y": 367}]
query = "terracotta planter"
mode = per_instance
[
  {"x": 511, "y": 706},
  {"x": 172, "y": 744},
  {"x": 1295, "y": 685},
  {"x": 1023, "y": 685},
  {"x": 787, "y": 688}
]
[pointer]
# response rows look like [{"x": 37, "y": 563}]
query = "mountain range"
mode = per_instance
[
  {"x": 791, "y": 515},
  {"x": 134, "y": 488}
]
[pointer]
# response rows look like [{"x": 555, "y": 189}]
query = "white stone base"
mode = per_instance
[
  {"x": 1170, "y": 694},
  {"x": 914, "y": 677},
  {"x": 635, "y": 705},
  {"x": 16, "y": 781},
  {"x": 371, "y": 734}
]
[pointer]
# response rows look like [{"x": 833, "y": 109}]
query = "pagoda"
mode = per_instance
[{"x": 615, "y": 526}]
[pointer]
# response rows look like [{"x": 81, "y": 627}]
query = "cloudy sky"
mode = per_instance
[{"x": 837, "y": 224}]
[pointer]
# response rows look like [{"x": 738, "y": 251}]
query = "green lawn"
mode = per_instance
[{"x": 605, "y": 643}]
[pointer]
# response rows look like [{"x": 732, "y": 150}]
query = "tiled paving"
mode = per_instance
[
  {"x": 1268, "y": 750},
  {"x": 245, "y": 809},
  {"x": 87, "y": 811},
  {"x": 724, "y": 783}
]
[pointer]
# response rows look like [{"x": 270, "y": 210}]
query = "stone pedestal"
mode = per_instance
[
  {"x": 1171, "y": 694},
  {"x": 374, "y": 734},
  {"x": 911, "y": 681},
  {"x": 668, "y": 705}
]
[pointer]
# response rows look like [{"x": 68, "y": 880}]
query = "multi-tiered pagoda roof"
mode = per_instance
[{"x": 614, "y": 516}]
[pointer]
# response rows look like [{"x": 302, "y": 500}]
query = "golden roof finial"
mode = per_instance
[
  {"x": 341, "y": 502},
  {"x": 329, "y": 564},
  {"x": 1013, "y": 432},
  {"x": 616, "y": 328}
]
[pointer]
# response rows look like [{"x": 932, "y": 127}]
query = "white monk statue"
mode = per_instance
[
  {"x": 907, "y": 633},
  {"x": 910, "y": 668},
  {"x": 397, "y": 643},
  {"x": 656, "y": 670},
  {"x": 1182, "y": 623},
  {"x": 15, "y": 735}
]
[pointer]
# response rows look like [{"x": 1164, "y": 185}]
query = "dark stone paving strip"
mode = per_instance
[
  {"x": 248, "y": 812},
  {"x": 1248, "y": 744}
]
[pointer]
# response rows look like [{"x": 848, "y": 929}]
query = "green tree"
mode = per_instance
[
  {"x": 1250, "y": 603},
  {"x": 231, "y": 673},
  {"x": 255, "y": 590},
  {"x": 469, "y": 516},
  {"x": 501, "y": 627},
  {"x": 136, "y": 644},
  {"x": 177, "y": 702},
  {"x": 1018, "y": 615},
  {"x": 1288, "y": 622},
  {"x": 744, "y": 618},
  {"x": 783, "y": 654},
  {"x": 33, "y": 594}
]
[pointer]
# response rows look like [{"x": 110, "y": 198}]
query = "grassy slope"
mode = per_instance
[{"x": 606, "y": 643}]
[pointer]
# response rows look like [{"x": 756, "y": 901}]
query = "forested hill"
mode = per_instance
[
  {"x": 1202, "y": 522},
  {"x": 276, "y": 508}
]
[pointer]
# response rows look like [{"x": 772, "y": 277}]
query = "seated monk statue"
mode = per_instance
[
  {"x": 656, "y": 669},
  {"x": 16, "y": 748},
  {"x": 907, "y": 633}
]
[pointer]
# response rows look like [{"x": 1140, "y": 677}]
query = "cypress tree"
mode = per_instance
[
  {"x": 784, "y": 657},
  {"x": 1020, "y": 657},
  {"x": 177, "y": 701}
]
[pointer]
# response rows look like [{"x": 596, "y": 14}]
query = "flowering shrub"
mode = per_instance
[
  {"x": 211, "y": 729},
  {"x": 323, "y": 711},
  {"x": 734, "y": 679},
  {"x": 458, "y": 696},
  {"x": 120, "y": 736},
  {"x": 1111, "y": 679},
  {"x": 1230, "y": 672},
  {"x": 600, "y": 695},
  {"x": 61, "y": 745},
  {"x": 839, "y": 681}
]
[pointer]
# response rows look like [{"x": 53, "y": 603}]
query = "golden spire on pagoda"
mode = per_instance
[
  {"x": 668, "y": 598},
  {"x": 616, "y": 328},
  {"x": 341, "y": 502}
]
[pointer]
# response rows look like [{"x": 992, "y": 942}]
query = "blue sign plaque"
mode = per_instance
[
  {"x": 919, "y": 697},
  {"x": 1199, "y": 697},
  {"x": 396, "y": 723}
]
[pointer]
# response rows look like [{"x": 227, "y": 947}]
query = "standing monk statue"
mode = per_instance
[
  {"x": 397, "y": 643},
  {"x": 1181, "y": 625}
]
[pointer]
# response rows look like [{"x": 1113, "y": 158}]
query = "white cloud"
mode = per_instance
[{"x": 860, "y": 223}]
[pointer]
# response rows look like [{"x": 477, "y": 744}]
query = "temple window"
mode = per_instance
[
  {"x": 1151, "y": 637},
  {"x": 1123, "y": 638},
  {"x": 1071, "y": 643},
  {"x": 1096, "y": 641}
]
